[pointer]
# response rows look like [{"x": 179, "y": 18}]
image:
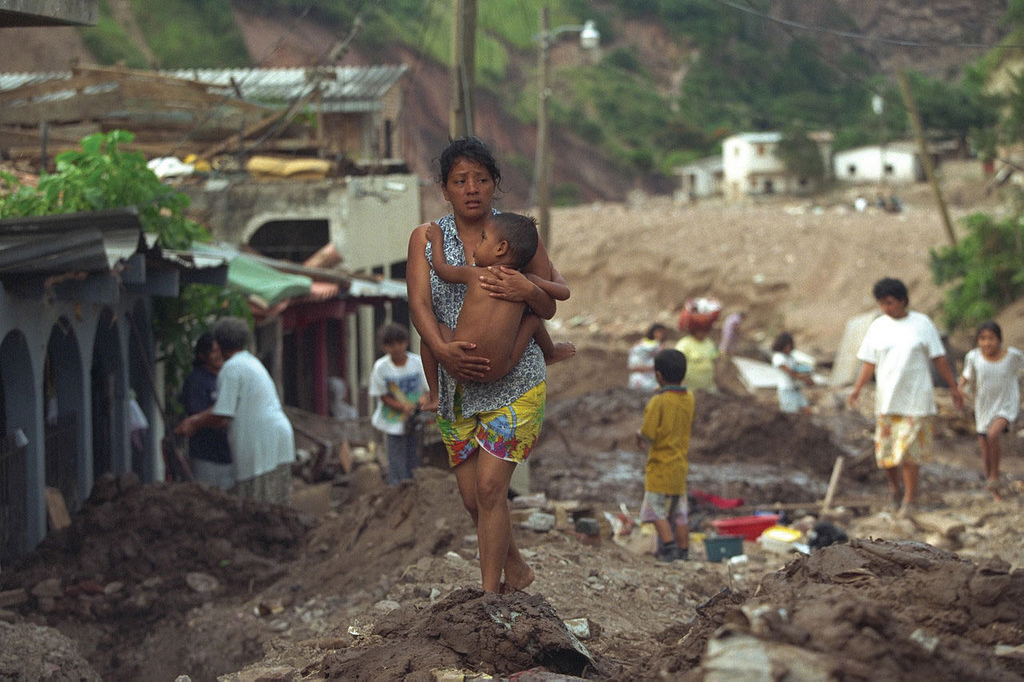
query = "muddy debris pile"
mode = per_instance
[
  {"x": 468, "y": 630},
  {"x": 137, "y": 551},
  {"x": 869, "y": 609}
]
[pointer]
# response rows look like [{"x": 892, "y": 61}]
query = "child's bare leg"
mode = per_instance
[
  {"x": 664, "y": 531},
  {"x": 553, "y": 352},
  {"x": 431, "y": 370},
  {"x": 995, "y": 434},
  {"x": 683, "y": 535}
]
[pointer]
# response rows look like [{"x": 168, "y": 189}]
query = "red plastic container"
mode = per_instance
[{"x": 750, "y": 527}]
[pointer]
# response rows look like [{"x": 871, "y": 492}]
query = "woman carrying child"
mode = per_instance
[
  {"x": 994, "y": 371},
  {"x": 487, "y": 428}
]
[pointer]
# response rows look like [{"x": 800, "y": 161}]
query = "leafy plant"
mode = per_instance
[
  {"x": 801, "y": 156},
  {"x": 102, "y": 175},
  {"x": 986, "y": 267}
]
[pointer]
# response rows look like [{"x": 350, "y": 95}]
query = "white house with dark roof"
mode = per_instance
[{"x": 751, "y": 168}]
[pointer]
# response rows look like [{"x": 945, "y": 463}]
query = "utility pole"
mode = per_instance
[
  {"x": 541, "y": 167},
  {"x": 926, "y": 159},
  {"x": 463, "y": 71}
]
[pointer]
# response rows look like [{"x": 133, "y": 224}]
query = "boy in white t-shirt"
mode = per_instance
[
  {"x": 899, "y": 349},
  {"x": 399, "y": 384}
]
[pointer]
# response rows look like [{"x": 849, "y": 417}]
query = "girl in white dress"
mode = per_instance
[{"x": 994, "y": 372}]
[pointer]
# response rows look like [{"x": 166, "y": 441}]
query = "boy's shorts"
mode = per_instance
[
  {"x": 508, "y": 433},
  {"x": 662, "y": 507}
]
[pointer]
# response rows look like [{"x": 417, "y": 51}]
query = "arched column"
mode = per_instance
[{"x": 22, "y": 510}]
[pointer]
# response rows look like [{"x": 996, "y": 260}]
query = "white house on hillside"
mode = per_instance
[
  {"x": 896, "y": 162},
  {"x": 751, "y": 167},
  {"x": 700, "y": 179}
]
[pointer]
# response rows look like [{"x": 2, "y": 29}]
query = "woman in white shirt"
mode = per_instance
[{"x": 899, "y": 349}]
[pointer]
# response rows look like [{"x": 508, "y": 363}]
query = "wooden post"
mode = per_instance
[
  {"x": 542, "y": 169},
  {"x": 463, "y": 71},
  {"x": 833, "y": 484},
  {"x": 926, "y": 159}
]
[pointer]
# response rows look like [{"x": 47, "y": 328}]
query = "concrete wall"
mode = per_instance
[
  {"x": 369, "y": 217},
  {"x": 79, "y": 331}
]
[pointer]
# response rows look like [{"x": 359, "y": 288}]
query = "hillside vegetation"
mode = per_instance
[{"x": 672, "y": 77}]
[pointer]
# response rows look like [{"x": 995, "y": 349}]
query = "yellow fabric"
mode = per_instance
[
  {"x": 700, "y": 362},
  {"x": 668, "y": 418}
]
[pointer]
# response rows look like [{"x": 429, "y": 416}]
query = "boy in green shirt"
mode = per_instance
[{"x": 668, "y": 418}]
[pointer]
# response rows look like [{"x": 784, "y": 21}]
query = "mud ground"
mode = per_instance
[{"x": 153, "y": 582}]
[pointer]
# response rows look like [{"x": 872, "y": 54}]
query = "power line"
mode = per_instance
[{"x": 861, "y": 36}]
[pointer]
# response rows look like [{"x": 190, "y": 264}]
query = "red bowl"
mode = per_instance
[{"x": 750, "y": 527}]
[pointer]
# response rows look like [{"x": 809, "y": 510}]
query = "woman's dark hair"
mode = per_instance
[
  {"x": 890, "y": 286},
  {"x": 655, "y": 327},
  {"x": 203, "y": 347},
  {"x": 991, "y": 326},
  {"x": 671, "y": 364},
  {"x": 471, "y": 149},
  {"x": 781, "y": 341}
]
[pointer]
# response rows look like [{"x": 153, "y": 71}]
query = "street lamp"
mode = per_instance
[{"x": 590, "y": 38}]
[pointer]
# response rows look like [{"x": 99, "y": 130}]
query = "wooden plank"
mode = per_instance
[
  {"x": 80, "y": 108},
  {"x": 56, "y": 509},
  {"x": 833, "y": 484}
]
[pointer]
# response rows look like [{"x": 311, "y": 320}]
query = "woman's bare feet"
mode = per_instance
[
  {"x": 517, "y": 580},
  {"x": 562, "y": 351}
]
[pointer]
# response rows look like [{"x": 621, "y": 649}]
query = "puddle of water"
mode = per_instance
[{"x": 618, "y": 475}]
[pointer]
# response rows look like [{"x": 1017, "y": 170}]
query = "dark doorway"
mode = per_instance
[{"x": 293, "y": 240}]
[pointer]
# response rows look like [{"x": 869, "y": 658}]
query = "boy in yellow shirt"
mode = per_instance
[{"x": 668, "y": 418}]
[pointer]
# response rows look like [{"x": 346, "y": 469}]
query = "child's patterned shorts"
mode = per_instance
[{"x": 662, "y": 507}]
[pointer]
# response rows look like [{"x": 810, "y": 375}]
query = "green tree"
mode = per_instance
[
  {"x": 102, "y": 175},
  {"x": 801, "y": 157},
  {"x": 986, "y": 268}
]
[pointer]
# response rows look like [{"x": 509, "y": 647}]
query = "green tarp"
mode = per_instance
[{"x": 251, "y": 277}]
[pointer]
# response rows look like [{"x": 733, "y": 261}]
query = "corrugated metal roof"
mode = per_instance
[
  {"x": 343, "y": 88},
  {"x": 96, "y": 241},
  {"x": 53, "y": 244}
]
